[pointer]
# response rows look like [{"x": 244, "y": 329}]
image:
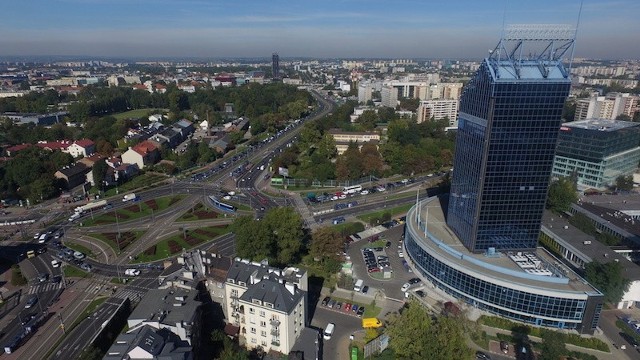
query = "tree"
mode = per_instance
[
  {"x": 623, "y": 117},
  {"x": 228, "y": 350},
  {"x": 368, "y": 120},
  {"x": 99, "y": 172},
  {"x": 607, "y": 278},
  {"x": 278, "y": 237},
  {"x": 562, "y": 193},
  {"x": 552, "y": 346},
  {"x": 326, "y": 242},
  {"x": 440, "y": 339},
  {"x": 624, "y": 182}
]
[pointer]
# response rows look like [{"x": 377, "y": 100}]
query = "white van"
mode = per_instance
[
  {"x": 358, "y": 286},
  {"x": 328, "y": 331}
]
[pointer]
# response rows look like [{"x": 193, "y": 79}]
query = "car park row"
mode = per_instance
[{"x": 343, "y": 307}]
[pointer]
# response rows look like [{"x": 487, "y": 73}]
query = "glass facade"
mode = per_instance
[
  {"x": 567, "y": 310},
  {"x": 596, "y": 153},
  {"x": 507, "y": 133}
]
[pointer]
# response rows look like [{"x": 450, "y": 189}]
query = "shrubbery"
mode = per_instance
[{"x": 574, "y": 339}]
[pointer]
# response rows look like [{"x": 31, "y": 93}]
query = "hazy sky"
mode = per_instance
[{"x": 330, "y": 28}]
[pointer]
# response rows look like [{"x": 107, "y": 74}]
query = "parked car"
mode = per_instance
[
  {"x": 365, "y": 289},
  {"x": 331, "y": 304},
  {"x": 373, "y": 270},
  {"x": 354, "y": 308},
  {"x": 405, "y": 287},
  {"x": 360, "y": 311},
  {"x": 414, "y": 281},
  {"x": 325, "y": 301}
]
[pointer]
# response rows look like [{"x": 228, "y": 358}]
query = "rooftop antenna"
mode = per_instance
[{"x": 575, "y": 36}]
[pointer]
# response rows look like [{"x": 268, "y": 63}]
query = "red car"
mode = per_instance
[
  {"x": 372, "y": 270},
  {"x": 347, "y": 307}
]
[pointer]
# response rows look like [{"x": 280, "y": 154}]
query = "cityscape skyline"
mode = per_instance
[{"x": 195, "y": 28}]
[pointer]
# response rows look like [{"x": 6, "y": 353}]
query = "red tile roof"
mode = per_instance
[
  {"x": 17, "y": 148},
  {"x": 84, "y": 143},
  {"x": 145, "y": 147}
]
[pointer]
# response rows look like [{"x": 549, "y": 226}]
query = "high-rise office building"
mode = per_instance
[
  {"x": 275, "y": 66},
  {"x": 508, "y": 122}
]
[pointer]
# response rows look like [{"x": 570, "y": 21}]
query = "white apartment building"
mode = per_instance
[
  {"x": 439, "y": 109},
  {"x": 389, "y": 96},
  {"x": 365, "y": 92},
  {"x": 269, "y": 305},
  {"x": 606, "y": 107}
]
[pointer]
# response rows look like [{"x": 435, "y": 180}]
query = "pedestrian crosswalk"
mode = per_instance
[
  {"x": 125, "y": 293},
  {"x": 35, "y": 289}
]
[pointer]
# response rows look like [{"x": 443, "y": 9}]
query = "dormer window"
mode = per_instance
[
  {"x": 269, "y": 305},
  {"x": 256, "y": 301},
  {"x": 231, "y": 281}
]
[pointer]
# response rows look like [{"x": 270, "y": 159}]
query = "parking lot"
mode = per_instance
[{"x": 389, "y": 287}]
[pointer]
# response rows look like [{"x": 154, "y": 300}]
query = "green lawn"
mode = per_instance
[
  {"x": 78, "y": 247},
  {"x": 134, "y": 210},
  {"x": 392, "y": 211},
  {"x": 138, "y": 182},
  {"x": 136, "y": 114},
  {"x": 175, "y": 244},
  {"x": 72, "y": 271},
  {"x": 199, "y": 212},
  {"x": 126, "y": 239}
]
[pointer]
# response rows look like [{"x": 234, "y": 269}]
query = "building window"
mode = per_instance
[
  {"x": 251, "y": 311},
  {"x": 253, "y": 330},
  {"x": 264, "y": 343},
  {"x": 263, "y": 333},
  {"x": 253, "y": 340},
  {"x": 261, "y": 313},
  {"x": 263, "y": 323}
]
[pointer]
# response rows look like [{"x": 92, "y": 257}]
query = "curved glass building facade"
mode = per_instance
[{"x": 494, "y": 282}]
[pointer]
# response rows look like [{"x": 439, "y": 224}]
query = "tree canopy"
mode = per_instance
[
  {"x": 552, "y": 346},
  {"x": 562, "y": 193},
  {"x": 607, "y": 278},
  {"x": 441, "y": 338},
  {"x": 278, "y": 237}
]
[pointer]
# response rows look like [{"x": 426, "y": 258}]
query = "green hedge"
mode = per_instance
[{"x": 573, "y": 339}]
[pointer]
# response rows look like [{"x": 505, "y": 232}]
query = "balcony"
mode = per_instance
[
  {"x": 275, "y": 332},
  {"x": 274, "y": 322},
  {"x": 275, "y": 342}
]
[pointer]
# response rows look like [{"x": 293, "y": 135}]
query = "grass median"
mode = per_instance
[
  {"x": 134, "y": 211},
  {"x": 183, "y": 241}
]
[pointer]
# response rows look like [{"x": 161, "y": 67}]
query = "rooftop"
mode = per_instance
[
  {"x": 601, "y": 124},
  {"x": 273, "y": 294},
  {"x": 587, "y": 244},
  {"x": 149, "y": 343},
  {"x": 167, "y": 306},
  {"x": 532, "y": 269},
  {"x": 244, "y": 271}
]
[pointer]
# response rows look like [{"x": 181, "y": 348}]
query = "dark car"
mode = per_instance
[
  {"x": 482, "y": 356},
  {"x": 56, "y": 279},
  {"x": 388, "y": 244},
  {"x": 365, "y": 289},
  {"x": 360, "y": 311},
  {"x": 325, "y": 301},
  {"x": 414, "y": 281}
]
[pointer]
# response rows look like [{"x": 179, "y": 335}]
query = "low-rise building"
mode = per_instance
[
  {"x": 143, "y": 154},
  {"x": 146, "y": 343},
  {"x": 73, "y": 175},
  {"x": 578, "y": 249},
  {"x": 82, "y": 147},
  {"x": 343, "y": 138}
]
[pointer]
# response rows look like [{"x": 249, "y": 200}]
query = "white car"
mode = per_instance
[
  {"x": 405, "y": 287},
  {"x": 132, "y": 272},
  {"x": 78, "y": 255},
  {"x": 400, "y": 254},
  {"x": 55, "y": 263}
]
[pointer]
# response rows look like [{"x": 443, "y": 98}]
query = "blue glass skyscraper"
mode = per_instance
[{"x": 508, "y": 123}]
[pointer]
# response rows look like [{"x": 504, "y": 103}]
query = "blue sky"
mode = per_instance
[{"x": 330, "y": 28}]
